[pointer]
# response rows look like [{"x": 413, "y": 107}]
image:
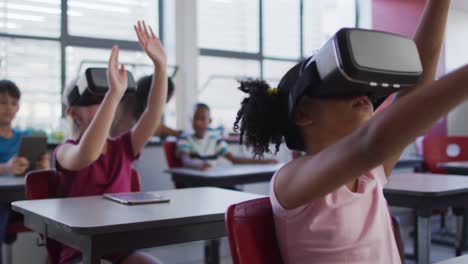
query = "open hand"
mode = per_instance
[
  {"x": 116, "y": 77},
  {"x": 150, "y": 43}
]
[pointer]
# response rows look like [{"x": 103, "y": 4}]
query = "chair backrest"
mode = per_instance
[
  {"x": 444, "y": 149},
  {"x": 135, "y": 181},
  {"x": 170, "y": 153},
  {"x": 251, "y": 233},
  {"x": 44, "y": 184}
]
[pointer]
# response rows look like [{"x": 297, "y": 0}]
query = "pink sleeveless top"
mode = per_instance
[{"x": 340, "y": 227}]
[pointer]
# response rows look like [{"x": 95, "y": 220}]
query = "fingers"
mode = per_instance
[
  {"x": 145, "y": 30},
  {"x": 114, "y": 57},
  {"x": 139, "y": 36},
  {"x": 152, "y": 33},
  {"x": 20, "y": 164},
  {"x": 21, "y": 161}
]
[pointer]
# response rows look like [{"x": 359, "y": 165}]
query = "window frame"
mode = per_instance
[{"x": 66, "y": 40}]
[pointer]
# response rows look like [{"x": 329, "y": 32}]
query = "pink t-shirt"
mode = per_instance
[
  {"x": 110, "y": 173},
  {"x": 340, "y": 227}
]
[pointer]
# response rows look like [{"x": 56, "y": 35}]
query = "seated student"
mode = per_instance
[
  {"x": 9, "y": 144},
  {"x": 197, "y": 150},
  {"x": 329, "y": 205},
  {"x": 132, "y": 106},
  {"x": 94, "y": 164}
]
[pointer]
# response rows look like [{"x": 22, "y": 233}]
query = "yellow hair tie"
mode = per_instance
[{"x": 272, "y": 91}]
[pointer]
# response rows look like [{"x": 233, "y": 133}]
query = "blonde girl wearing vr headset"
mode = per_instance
[
  {"x": 328, "y": 205},
  {"x": 95, "y": 164}
]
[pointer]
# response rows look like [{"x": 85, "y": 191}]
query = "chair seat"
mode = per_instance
[{"x": 16, "y": 228}]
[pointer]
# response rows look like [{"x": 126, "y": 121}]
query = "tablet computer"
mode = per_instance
[
  {"x": 32, "y": 148},
  {"x": 136, "y": 198}
]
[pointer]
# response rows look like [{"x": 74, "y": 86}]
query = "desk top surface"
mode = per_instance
[
  {"x": 10, "y": 181},
  {"x": 427, "y": 184},
  {"x": 95, "y": 214},
  {"x": 229, "y": 170}
]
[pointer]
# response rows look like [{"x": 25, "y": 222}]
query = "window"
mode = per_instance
[
  {"x": 29, "y": 17},
  {"x": 37, "y": 75},
  {"x": 274, "y": 70},
  {"x": 218, "y": 82},
  {"x": 322, "y": 19},
  {"x": 228, "y": 25},
  {"x": 111, "y": 19},
  {"x": 281, "y": 28},
  {"x": 237, "y": 39},
  {"x": 40, "y": 59}
]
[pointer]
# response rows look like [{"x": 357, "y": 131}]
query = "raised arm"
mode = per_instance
[
  {"x": 75, "y": 157},
  {"x": 151, "y": 117},
  {"x": 310, "y": 177},
  {"x": 429, "y": 38}
]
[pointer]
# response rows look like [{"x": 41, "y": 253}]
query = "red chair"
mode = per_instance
[
  {"x": 170, "y": 153},
  {"x": 443, "y": 149},
  {"x": 251, "y": 233},
  {"x": 44, "y": 184}
]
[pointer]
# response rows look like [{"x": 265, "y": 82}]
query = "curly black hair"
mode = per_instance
[{"x": 262, "y": 118}]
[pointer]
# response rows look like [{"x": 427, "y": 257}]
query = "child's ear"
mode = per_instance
[{"x": 211, "y": 120}]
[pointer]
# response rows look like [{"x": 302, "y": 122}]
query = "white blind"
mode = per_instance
[
  {"x": 30, "y": 17},
  {"x": 228, "y": 25},
  {"x": 281, "y": 28},
  {"x": 112, "y": 19},
  {"x": 37, "y": 75},
  {"x": 273, "y": 70},
  {"x": 323, "y": 18}
]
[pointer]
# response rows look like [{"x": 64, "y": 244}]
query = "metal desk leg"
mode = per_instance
[
  {"x": 459, "y": 233},
  {"x": 212, "y": 251},
  {"x": 89, "y": 254},
  {"x": 423, "y": 251}
]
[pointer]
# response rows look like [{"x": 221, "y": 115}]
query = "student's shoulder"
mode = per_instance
[{"x": 21, "y": 132}]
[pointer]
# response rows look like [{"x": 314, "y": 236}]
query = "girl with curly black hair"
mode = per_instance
[{"x": 328, "y": 205}]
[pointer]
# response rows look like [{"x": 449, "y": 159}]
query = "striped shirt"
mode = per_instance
[{"x": 208, "y": 148}]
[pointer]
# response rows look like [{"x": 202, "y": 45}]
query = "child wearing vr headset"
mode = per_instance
[
  {"x": 329, "y": 205},
  {"x": 94, "y": 164}
]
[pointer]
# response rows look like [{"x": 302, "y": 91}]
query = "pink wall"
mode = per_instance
[{"x": 402, "y": 17}]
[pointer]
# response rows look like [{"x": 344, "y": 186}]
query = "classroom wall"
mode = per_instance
[
  {"x": 402, "y": 17},
  {"x": 457, "y": 55}
]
